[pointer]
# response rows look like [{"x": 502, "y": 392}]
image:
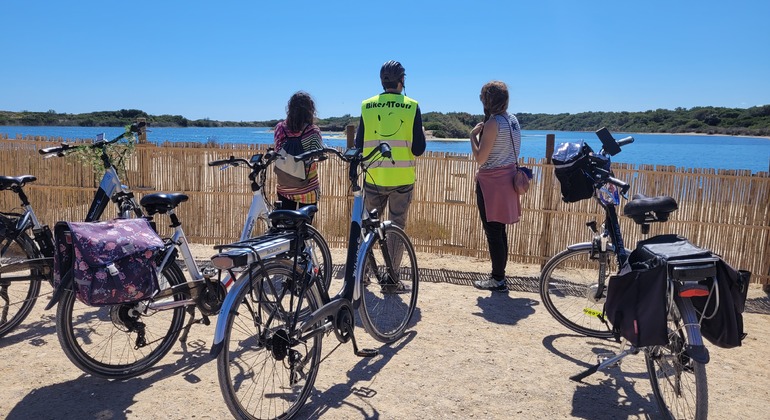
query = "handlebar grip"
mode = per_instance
[
  {"x": 138, "y": 126},
  {"x": 313, "y": 154},
  {"x": 270, "y": 155},
  {"x": 50, "y": 150},
  {"x": 626, "y": 140},
  {"x": 58, "y": 149},
  {"x": 624, "y": 187},
  {"x": 220, "y": 162}
]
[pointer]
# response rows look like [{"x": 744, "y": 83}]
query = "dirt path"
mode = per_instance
[{"x": 470, "y": 354}]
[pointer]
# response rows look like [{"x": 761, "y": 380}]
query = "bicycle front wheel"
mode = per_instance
[
  {"x": 570, "y": 286},
  {"x": 322, "y": 258},
  {"x": 389, "y": 285},
  {"x": 119, "y": 341},
  {"x": 17, "y": 297},
  {"x": 265, "y": 369},
  {"x": 678, "y": 382}
]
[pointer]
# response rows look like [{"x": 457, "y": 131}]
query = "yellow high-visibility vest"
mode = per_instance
[{"x": 389, "y": 117}]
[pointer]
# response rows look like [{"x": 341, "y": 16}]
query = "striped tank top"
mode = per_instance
[{"x": 503, "y": 153}]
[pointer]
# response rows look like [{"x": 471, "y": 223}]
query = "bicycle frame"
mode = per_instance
[
  {"x": 611, "y": 240},
  {"x": 111, "y": 188}
]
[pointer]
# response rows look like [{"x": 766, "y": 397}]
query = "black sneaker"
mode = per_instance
[{"x": 491, "y": 284}]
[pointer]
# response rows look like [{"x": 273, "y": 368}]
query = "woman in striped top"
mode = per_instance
[
  {"x": 495, "y": 144},
  {"x": 298, "y": 134}
]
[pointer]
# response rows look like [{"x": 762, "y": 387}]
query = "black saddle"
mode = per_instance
[
  {"x": 292, "y": 218},
  {"x": 643, "y": 209},
  {"x": 162, "y": 202},
  {"x": 7, "y": 182}
]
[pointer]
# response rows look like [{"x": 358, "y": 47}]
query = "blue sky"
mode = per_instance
[{"x": 242, "y": 60}]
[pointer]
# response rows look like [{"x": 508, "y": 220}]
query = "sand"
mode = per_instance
[{"x": 469, "y": 354}]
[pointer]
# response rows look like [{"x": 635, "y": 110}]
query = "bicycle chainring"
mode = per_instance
[
  {"x": 343, "y": 324},
  {"x": 211, "y": 298}
]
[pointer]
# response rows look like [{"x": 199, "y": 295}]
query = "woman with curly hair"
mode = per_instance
[
  {"x": 495, "y": 144},
  {"x": 298, "y": 134}
]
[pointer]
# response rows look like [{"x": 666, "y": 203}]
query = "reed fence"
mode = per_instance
[{"x": 723, "y": 210}]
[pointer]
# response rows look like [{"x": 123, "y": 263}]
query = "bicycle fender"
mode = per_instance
[
  {"x": 588, "y": 245},
  {"x": 66, "y": 283},
  {"x": 227, "y": 306},
  {"x": 581, "y": 245},
  {"x": 358, "y": 275}
]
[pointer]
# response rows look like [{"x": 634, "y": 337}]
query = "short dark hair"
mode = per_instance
[
  {"x": 300, "y": 111},
  {"x": 391, "y": 73}
]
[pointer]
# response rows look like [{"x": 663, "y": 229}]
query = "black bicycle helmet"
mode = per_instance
[{"x": 391, "y": 72}]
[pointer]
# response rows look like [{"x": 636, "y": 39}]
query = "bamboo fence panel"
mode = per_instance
[{"x": 724, "y": 211}]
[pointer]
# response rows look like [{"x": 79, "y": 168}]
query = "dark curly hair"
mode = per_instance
[
  {"x": 494, "y": 98},
  {"x": 300, "y": 111}
]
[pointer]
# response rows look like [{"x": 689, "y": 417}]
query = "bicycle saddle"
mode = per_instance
[
  {"x": 292, "y": 218},
  {"x": 162, "y": 202},
  {"x": 10, "y": 181},
  {"x": 643, "y": 209}
]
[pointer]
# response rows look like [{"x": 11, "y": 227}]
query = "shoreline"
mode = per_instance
[{"x": 340, "y": 135}]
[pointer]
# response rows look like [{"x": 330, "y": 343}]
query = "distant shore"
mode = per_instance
[
  {"x": 429, "y": 137},
  {"x": 340, "y": 135}
]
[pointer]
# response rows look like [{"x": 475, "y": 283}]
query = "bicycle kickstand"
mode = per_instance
[
  {"x": 186, "y": 329},
  {"x": 599, "y": 366},
  {"x": 363, "y": 352}
]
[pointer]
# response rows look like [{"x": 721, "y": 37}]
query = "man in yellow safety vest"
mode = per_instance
[{"x": 394, "y": 118}]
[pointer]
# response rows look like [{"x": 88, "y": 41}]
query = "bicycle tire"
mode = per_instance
[
  {"x": 679, "y": 384},
  {"x": 101, "y": 340},
  {"x": 567, "y": 285},
  {"x": 17, "y": 298},
  {"x": 258, "y": 376},
  {"x": 323, "y": 260},
  {"x": 387, "y": 307}
]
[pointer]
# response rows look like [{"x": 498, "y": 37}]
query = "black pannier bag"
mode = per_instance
[
  {"x": 722, "y": 324},
  {"x": 725, "y": 328},
  {"x": 636, "y": 306},
  {"x": 570, "y": 161}
]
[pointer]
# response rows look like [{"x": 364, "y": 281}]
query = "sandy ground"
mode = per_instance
[{"x": 469, "y": 354}]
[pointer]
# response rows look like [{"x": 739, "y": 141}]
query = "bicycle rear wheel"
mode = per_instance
[
  {"x": 17, "y": 297},
  {"x": 119, "y": 341},
  {"x": 678, "y": 383},
  {"x": 390, "y": 281},
  {"x": 569, "y": 284},
  {"x": 265, "y": 370}
]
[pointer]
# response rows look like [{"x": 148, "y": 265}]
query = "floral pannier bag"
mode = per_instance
[{"x": 107, "y": 263}]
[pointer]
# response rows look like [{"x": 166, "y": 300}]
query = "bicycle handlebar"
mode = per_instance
[
  {"x": 232, "y": 160},
  {"x": 59, "y": 150},
  {"x": 352, "y": 155},
  {"x": 257, "y": 163},
  {"x": 626, "y": 140},
  {"x": 598, "y": 162}
]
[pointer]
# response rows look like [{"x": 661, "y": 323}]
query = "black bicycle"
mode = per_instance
[
  {"x": 575, "y": 284},
  {"x": 26, "y": 244},
  {"x": 268, "y": 340}
]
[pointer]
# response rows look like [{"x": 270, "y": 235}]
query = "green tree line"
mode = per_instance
[{"x": 754, "y": 121}]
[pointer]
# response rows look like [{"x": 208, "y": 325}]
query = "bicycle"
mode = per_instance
[
  {"x": 26, "y": 244},
  {"x": 260, "y": 208},
  {"x": 574, "y": 284},
  {"x": 268, "y": 344}
]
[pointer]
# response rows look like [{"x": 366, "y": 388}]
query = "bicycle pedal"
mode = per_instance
[{"x": 367, "y": 353}]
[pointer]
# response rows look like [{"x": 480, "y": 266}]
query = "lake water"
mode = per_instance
[{"x": 689, "y": 151}]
